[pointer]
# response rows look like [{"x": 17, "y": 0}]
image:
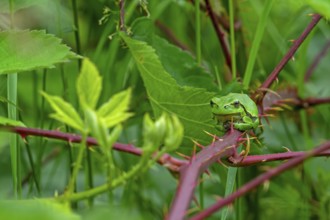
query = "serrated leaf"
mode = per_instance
[
  {"x": 29, "y": 50},
  {"x": 115, "y": 110},
  {"x": 178, "y": 63},
  {"x": 35, "y": 209},
  {"x": 7, "y": 121},
  {"x": 64, "y": 112},
  {"x": 321, "y": 6},
  {"x": 89, "y": 84},
  {"x": 190, "y": 104}
]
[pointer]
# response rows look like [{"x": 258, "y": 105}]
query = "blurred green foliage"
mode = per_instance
[{"x": 302, "y": 193}]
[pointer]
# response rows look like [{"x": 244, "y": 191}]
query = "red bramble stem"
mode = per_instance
[{"x": 272, "y": 77}]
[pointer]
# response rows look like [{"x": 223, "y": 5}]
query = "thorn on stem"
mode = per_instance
[
  {"x": 198, "y": 144},
  {"x": 183, "y": 156}
]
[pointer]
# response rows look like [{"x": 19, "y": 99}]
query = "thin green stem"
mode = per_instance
[
  {"x": 198, "y": 33},
  {"x": 89, "y": 176},
  {"x": 232, "y": 39},
  {"x": 76, "y": 31},
  {"x": 33, "y": 170},
  {"x": 305, "y": 129},
  {"x": 76, "y": 167},
  {"x": 144, "y": 164}
]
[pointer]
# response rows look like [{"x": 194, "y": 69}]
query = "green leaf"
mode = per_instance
[
  {"x": 178, "y": 63},
  {"x": 18, "y": 4},
  {"x": 320, "y": 6},
  {"x": 115, "y": 110},
  {"x": 35, "y": 209},
  {"x": 64, "y": 112},
  {"x": 89, "y": 84},
  {"x": 7, "y": 121},
  {"x": 29, "y": 50},
  {"x": 190, "y": 104}
]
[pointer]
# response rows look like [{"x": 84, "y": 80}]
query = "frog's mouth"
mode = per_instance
[{"x": 228, "y": 117}]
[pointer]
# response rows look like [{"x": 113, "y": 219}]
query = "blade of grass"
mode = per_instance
[
  {"x": 14, "y": 151},
  {"x": 217, "y": 74},
  {"x": 232, "y": 38},
  {"x": 230, "y": 183},
  {"x": 76, "y": 29},
  {"x": 12, "y": 114},
  {"x": 256, "y": 43}
]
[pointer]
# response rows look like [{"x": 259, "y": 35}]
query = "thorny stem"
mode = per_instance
[
  {"x": 122, "y": 15},
  {"x": 315, "y": 19},
  {"x": 221, "y": 19},
  {"x": 261, "y": 179},
  {"x": 190, "y": 172},
  {"x": 220, "y": 34},
  {"x": 167, "y": 160},
  {"x": 305, "y": 103},
  {"x": 257, "y": 159}
]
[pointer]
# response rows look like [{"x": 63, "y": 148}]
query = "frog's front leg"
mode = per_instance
[
  {"x": 220, "y": 127},
  {"x": 245, "y": 124}
]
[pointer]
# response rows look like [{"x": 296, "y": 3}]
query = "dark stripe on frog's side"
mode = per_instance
[{"x": 248, "y": 114}]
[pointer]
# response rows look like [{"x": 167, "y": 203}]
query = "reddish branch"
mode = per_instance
[
  {"x": 257, "y": 159},
  {"x": 221, "y": 19},
  {"x": 261, "y": 179},
  {"x": 122, "y": 15},
  {"x": 220, "y": 34},
  {"x": 166, "y": 160},
  {"x": 272, "y": 77},
  {"x": 189, "y": 173}
]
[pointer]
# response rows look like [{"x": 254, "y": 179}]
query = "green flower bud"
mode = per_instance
[
  {"x": 154, "y": 132},
  {"x": 174, "y": 133}
]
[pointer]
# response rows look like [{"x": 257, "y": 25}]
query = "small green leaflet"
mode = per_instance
[
  {"x": 10, "y": 122},
  {"x": 114, "y": 111},
  {"x": 89, "y": 85},
  {"x": 64, "y": 112}
]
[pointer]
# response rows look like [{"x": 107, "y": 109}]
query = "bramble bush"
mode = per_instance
[{"x": 105, "y": 109}]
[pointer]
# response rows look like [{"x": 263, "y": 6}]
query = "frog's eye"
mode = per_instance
[
  {"x": 212, "y": 104},
  {"x": 236, "y": 104}
]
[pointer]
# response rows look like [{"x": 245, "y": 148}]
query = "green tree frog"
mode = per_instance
[{"x": 237, "y": 109}]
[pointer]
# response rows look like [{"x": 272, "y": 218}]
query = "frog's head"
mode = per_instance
[{"x": 227, "y": 106}]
